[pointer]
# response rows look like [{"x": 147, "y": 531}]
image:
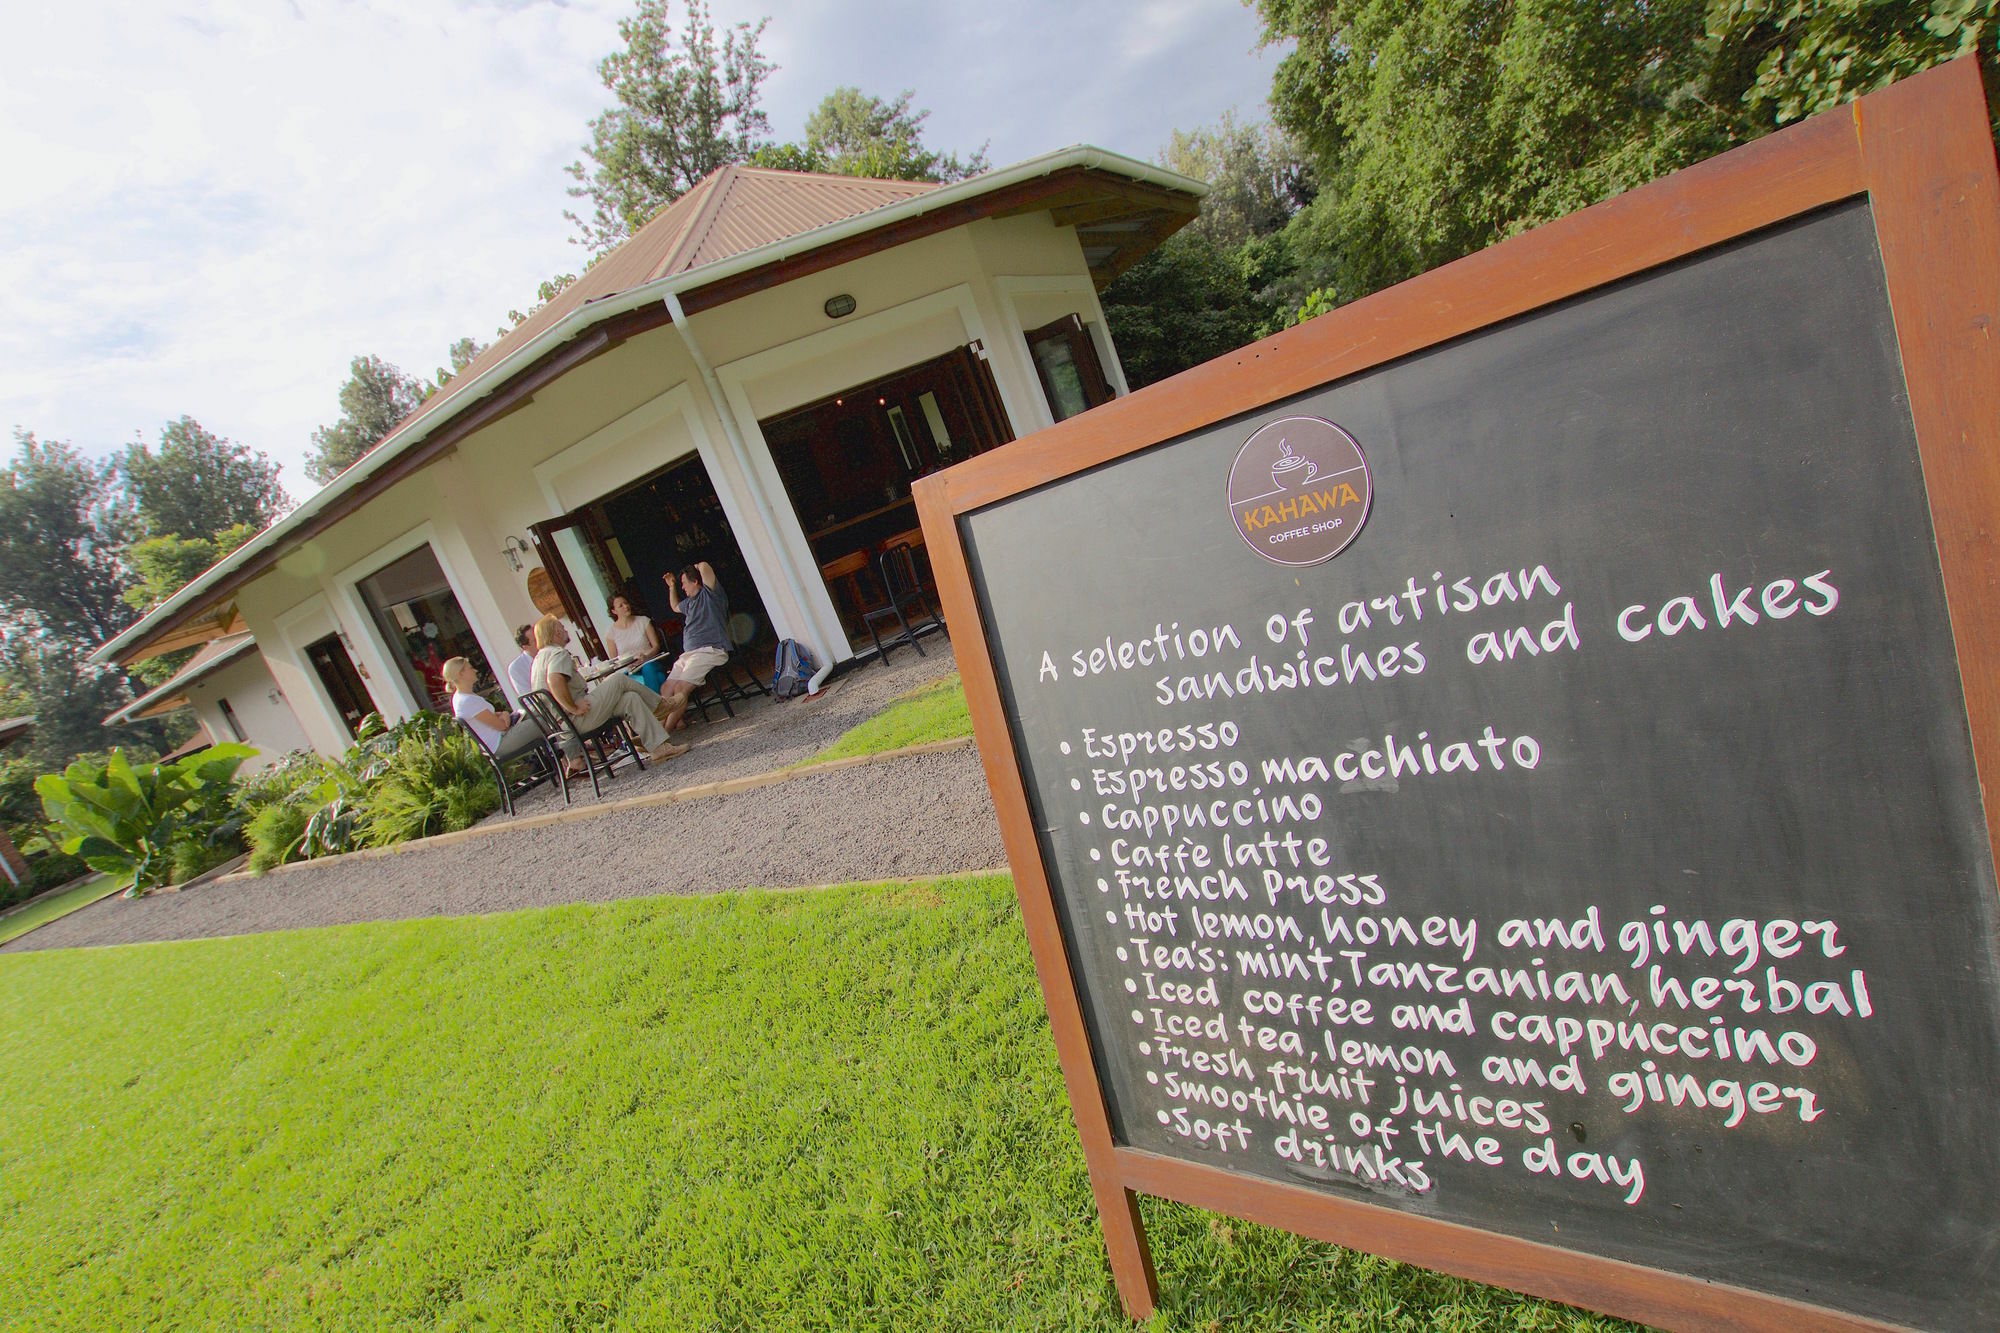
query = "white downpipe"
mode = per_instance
[{"x": 737, "y": 446}]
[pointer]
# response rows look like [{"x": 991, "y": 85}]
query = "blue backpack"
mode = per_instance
[{"x": 794, "y": 671}]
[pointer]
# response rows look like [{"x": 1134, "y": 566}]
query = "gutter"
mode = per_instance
[{"x": 595, "y": 312}]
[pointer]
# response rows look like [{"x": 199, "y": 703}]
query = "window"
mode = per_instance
[
  {"x": 229, "y": 716},
  {"x": 1066, "y": 362}
]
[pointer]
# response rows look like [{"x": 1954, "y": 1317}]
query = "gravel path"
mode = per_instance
[
  {"x": 765, "y": 734},
  {"x": 921, "y": 815}
]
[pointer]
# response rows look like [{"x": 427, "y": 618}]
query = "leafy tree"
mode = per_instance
[
  {"x": 69, "y": 698},
  {"x": 60, "y": 536},
  {"x": 376, "y": 397},
  {"x": 1442, "y": 126},
  {"x": 1257, "y": 178},
  {"x": 1811, "y": 57},
  {"x": 852, "y": 134},
  {"x": 162, "y": 566},
  {"x": 682, "y": 111},
  {"x": 199, "y": 484},
  {"x": 544, "y": 294},
  {"x": 1183, "y": 304},
  {"x": 461, "y": 354},
  {"x": 1228, "y": 276}
]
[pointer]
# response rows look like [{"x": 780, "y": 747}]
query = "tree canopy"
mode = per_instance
[
  {"x": 375, "y": 398},
  {"x": 1257, "y": 177},
  {"x": 162, "y": 566},
  {"x": 685, "y": 105},
  {"x": 61, "y": 532},
  {"x": 69, "y": 699},
  {"x": 1439, "y": 127},
  {"x": 853, "y": 134},
  {"x": 461, "y": 354},
  {"x": 198, "y": 484}
]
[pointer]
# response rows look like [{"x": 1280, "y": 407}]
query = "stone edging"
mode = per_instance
[{"x": 577, "y": 813}]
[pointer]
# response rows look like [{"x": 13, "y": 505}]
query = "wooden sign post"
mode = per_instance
[{"x": 1491, "y": 774}]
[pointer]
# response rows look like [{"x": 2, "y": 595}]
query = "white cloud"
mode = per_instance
[{"x": 210, "y": 208}]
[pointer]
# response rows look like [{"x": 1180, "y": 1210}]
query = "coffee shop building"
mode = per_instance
[{"x": 754, "y": 378}]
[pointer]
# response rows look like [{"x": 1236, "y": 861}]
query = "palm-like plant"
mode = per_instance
[{"x": 123, "y": 819}]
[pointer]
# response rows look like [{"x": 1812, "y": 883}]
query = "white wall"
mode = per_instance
[{"x": 260, "y": 707}]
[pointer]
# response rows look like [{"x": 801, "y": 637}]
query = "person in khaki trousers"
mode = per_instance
[{"x": 556, "y": 671}]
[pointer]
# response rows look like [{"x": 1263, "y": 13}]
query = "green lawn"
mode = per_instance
[
  {"x": 825, "y": 1110},
  {"x": 77, "y": 896},
  {"x": 934, "y": 713}
]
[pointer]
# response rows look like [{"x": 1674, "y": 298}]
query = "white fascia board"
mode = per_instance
[{"x": 596, "y": 312}]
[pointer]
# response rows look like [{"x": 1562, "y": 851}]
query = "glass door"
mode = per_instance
[
  {"x": 572, "y": 546},
  {"x": 1066, "y": 362}
]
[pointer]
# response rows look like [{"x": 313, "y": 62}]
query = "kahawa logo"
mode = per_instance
[{"x": 1299, "y": 491}]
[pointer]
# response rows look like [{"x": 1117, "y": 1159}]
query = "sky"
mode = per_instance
[{"x": 209, "y": 209}]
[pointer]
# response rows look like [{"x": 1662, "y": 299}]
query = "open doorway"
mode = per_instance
[
  {"x": 630, "y": 540},
  {"x": 342, "y": 682},
  {"x": 848, "y": 460}
]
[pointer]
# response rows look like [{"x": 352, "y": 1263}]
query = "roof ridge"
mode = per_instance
[
  {"x": 835, "y": 177},
  {"x": 718, "y": 182}
]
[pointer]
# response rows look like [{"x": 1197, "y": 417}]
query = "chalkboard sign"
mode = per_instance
[{"x": 1528, "y": 785}]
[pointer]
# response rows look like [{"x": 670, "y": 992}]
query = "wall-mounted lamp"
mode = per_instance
[
  {"x": 514, "y": 548},
  {"x": 838, "y": 307}
]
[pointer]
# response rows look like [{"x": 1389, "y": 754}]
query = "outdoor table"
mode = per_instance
[
  {"x": 629, "y": 664},
  {"x": 599, "y": 670}
]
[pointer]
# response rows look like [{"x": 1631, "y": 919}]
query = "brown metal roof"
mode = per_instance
[{"x": 731, "y": 210}]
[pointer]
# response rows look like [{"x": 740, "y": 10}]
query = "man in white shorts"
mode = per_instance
[{"x": 704, "y": 611}]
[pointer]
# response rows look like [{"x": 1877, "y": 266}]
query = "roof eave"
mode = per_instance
[{"x": 162, "y": 698}]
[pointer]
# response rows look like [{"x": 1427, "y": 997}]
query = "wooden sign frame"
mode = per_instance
[{"x": 1922, "y": 153}]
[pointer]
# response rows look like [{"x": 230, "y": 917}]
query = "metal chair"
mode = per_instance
[
  {"x": 557, "y": 724},
  {"x": 533, "y": 746},
  {"x": 898, "y": 570},
  {"x": 725, "y": 685}
]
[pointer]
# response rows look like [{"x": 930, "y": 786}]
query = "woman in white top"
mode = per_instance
[
  {"x": 497, "y": 731},
  {"x": 634, "y": 636}
]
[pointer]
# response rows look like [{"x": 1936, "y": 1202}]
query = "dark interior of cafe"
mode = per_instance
[{"x": 848, "y": 461}]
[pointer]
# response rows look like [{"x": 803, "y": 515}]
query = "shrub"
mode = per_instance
[
  {"x": 21, "y": 818},
  {"x": 125, "y": 820},
  {"x": 421, "y": 777},
  {"x": 432, "y": 780},
  {"x": 274, "y": 834}
]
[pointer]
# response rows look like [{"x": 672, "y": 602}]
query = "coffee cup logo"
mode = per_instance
[
  {"x": 1299, "y": 490},
  {"x": 1292, "y": 469}
]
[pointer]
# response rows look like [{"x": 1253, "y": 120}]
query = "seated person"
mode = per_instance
[
  {"x": 503, "y": 735},
  {"x": 617, "y": 695},
  {"x": 521, "y": 671},
  {"x": 704, "y": 611},
  {"x": 634, "y": 636}
]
